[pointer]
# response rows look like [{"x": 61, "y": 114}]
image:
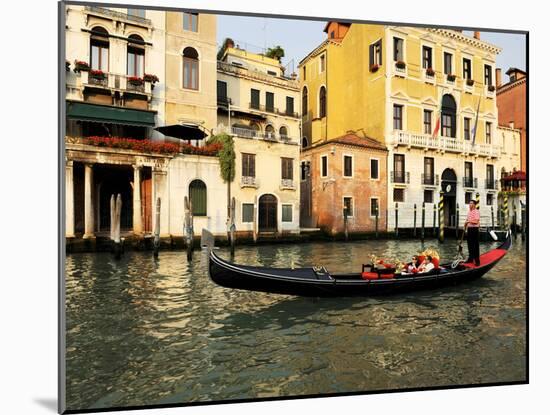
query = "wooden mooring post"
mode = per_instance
[
  {"x": 156, "y": 240},
  {"x": 346, "y": 224},
  {"x": 422, "y": 234},
  {"x": 523, "y": 218},
  {"x": 112, "y": 228},
  {"x": 492, "y": 218},
  {"x": 396, "y": 220},
  {"x": 232, "y": 227},
  {"x": 188, "y": 228},
  {"x": 376, "y": 221},
  {"x": 514, "y": 221},
  {"x": 434, "y": 221},
  {"x": 457, "y": 219},
  {"x": 414, "y": 222},
  {"x": 441, "y": 219},
  {"x": 116, "y": 239}
]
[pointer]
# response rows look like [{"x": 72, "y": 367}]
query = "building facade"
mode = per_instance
[
  {"x": 116, "y": 97},
  {"x": 259, "y": 107},
  {"x": 512, "y": 106},
  {"x": 395, "y": 84}
]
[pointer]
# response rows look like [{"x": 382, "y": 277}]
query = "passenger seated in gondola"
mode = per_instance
[
  {"x": 412, "y": 268},
  {"x": 427, "y": 265}
]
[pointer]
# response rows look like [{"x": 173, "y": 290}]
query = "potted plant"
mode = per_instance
[
  {"x": 150, "y": 78},
  {"x": 469, "y": 82},
  {"x": 97, "y": 74},
  {"x": 81, "y": 66},
  {"x": 400, "y": 65},
  {"x": 135, "y": 80},
  {"x": 491, "y": 88},
  {"x": 451, "y": 77},
  {"x": 430, "y": 72},
  {"x": 374, "y": 67}
]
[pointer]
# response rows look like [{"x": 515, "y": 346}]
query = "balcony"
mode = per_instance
[
  {"x": 443, "y": 144},
  {"x": 428, "y": 76},
  {"x": 103, "y": 12},
  {"x": 430, "y": 179},
  {"x": 287, "y": 184},
  {"x": 469, "y": 182},
  {"x": 257, "y": 135},
  {"x": 400, "y": 177},
  {"x": 491, "y": 184},
  {"x": 115, "y": 82},
  {"x": 223, "y": 101},
  {"x": 400, "y": 69},
  {"x": 249, "y": 181},
  {"x": 450, "y": 79},
  {"x": 257, "y": 75}
]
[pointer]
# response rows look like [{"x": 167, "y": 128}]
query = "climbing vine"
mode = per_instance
[{"x": 226, "y": 155}]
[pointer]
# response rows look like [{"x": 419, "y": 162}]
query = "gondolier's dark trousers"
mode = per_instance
[{"x": 473, "y": 244}]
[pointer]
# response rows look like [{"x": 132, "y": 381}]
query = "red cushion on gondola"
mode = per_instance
[
  {"x": 387, "y": 276},
  {"x": 421, "y": 259},
  {"x": 369, "y": 275},
  {"x": 435, "y": 261}
]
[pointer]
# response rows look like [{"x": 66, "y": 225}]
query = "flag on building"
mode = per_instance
[{"x": 438, "y": 121}]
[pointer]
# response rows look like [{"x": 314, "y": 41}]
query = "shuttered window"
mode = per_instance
[
  {"x": 375, "y": 53},
  {"x": 287, "y": 213},
  {"x": 249, "y": 165},
  {"x": 286, "y": 168},
  {"x": 248, "y": 212},
  {"x": 197, "y": 195}
]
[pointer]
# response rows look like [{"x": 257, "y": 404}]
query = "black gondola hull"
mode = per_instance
[{"x": 308, "y": 282}]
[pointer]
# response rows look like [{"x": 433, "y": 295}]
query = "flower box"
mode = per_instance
[
  {"x": 97, "y": 74},
  {"x": 150, "y": 78},
  {"x": 81, "y": 66},
  {"x": 451, "y": 77},
  {"x": 400, "y": 65},
  {"x": 135, "y": 80},
  {"x": 430, "y": 72},
  {"x": 491, "y": 88},
  {"x": 470, "y": 82},
  {"x": 374, "y": 67}
]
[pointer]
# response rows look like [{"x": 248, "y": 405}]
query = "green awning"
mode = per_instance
[{"x": 103, "y": 113}]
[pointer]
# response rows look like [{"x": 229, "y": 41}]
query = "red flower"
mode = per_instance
[
  {"x": 149, "y": 146},
  {"x": 430, "y": 72},
  {"x": 374, "y": 67}
]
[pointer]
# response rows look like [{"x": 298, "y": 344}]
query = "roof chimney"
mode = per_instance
[
  {"x": 476, "y": 35},
  {"x": 511, "y": 124},
  {"x": 498, "y": 75}
]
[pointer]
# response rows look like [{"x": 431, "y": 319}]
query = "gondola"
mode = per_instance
[{"x": 318, "y": 282}]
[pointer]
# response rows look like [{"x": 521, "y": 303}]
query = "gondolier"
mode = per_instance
[{"x": 472, "y": 233}]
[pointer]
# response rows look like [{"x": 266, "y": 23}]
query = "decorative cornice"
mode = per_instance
[{"x": 452, "y": 34}]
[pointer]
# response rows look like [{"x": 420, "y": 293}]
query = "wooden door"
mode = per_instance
[
  {"x": 147, "y": 202},
  {"x": 267, "y": 214}
]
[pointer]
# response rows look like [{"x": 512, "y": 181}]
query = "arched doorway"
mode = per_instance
[
  {"x": 448, "y": 116},
  {"x": 448, "y": 187},
  {"x": 267, "y": 213}
]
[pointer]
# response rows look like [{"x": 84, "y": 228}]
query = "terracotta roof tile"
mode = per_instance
[{"x": 355, "y": 140}]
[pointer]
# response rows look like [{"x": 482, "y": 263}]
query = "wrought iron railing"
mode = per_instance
[
  {"x": 470, "y": 182},
  {"x": 400, "y": 177},
  {"x": 430, "y": 179}
]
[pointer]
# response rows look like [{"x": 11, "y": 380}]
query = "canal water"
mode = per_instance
[{"x": 142, "y": 331}]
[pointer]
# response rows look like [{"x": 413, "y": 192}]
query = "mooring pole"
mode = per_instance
[
  {"x": 477, "y": 200},
  {"x": 422, "y": 235},
  {"x": 396, "y": 220},
  {"x": 505, "y": 209},
  {"x": 492, "y": 218},
  {"x": 118, "y": 210},
  {"x": 414, "y": 223},
  {"x": 255, "y": 220},
  {"x": 457, "y": 218},
  {"x": 376, "y": 221},
  {"x": 441, "y": 219},
  {"x": 433, "y": 221},
  {"x": 156, "y": 241},
  {"x": 515, "y": 220},
  {"x": 345, "y": 224},
  {"x": 523, "y": 217},
  {"x": 232, "y": 226},
  {"x": 188, "y": 231},
  {"x": 113, "y": 201}
]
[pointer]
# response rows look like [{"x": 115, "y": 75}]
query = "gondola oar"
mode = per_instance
[{"x": 462, "y": 239}]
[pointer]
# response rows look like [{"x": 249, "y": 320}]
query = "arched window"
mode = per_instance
[
  {"x": 99, "y": 49},
  {"x": 448, "y": 116},
  {"x": 322, "y": 102},
  {"x": 305, "y": 142},
  {"x": 304, "y": 101},
  {"x": 270, "y": 131},
  {"x": 136, "y": 56},
  {"x": 283, "y": 132},
  {"x": 197, "y": 196},
  {"x": 190, "y": 68}
]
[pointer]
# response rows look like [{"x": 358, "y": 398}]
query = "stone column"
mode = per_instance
[
  {"x": 136, "y": 211},
  {"x": 88, "y": 201},
  {"x": 69, "y": 200}
]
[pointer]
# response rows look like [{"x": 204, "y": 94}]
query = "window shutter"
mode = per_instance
[
  {"x": 371, "y": 55},
  {"x": 252, "y": 167}
]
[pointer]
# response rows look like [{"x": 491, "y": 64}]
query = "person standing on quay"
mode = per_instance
[{"x": 472, "y": 228}]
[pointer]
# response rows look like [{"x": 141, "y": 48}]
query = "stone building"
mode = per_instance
[
  {"x": 259, "y": 106},
  {"x": 117, "y": 97},
  {"x": 395, "y": 84}
]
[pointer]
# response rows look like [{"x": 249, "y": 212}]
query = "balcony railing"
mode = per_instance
[
  {"x": 249, "y": 181},
  {"x": 469, "y": 182},
  {"x": 427, "y": 142},
  {"x": 255, "y": 74},
  {"x": 257, "y": 135},
  {"x": 114, "y": 81},
  {"x": 491, "y": 184},
  {"x": 430, "y": 179},
  {"x": 263, "y": 108},
  {"x": 223, "y": 101},
  {"x": 118, "y": 15},
  {"x": 400, "y": 177}
]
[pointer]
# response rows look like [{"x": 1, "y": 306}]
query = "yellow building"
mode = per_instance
[
  {"x": 394, "y": 83},
  {"x": 190, "y": 69},
  {"x": 258, "y": 106}
]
